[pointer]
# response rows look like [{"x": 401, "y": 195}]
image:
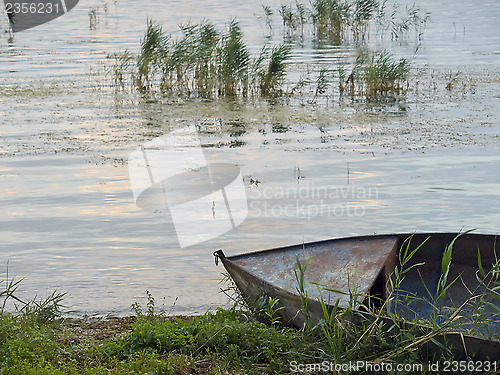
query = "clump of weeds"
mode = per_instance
[{"x": 205, "y": 62}]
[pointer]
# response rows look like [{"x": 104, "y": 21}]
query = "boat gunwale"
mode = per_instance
[{"x": 399, "y": 236}]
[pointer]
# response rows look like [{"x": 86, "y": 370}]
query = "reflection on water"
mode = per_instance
[
  {"x": 68, "y": 218},
  {"x": 75, "y": 226}
]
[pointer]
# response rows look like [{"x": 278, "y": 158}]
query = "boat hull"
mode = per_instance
[{"x": 337, "y": 269}]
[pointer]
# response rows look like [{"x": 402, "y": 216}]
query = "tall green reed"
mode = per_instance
[
  {"x": 206, "y": 61},
  {"x": 39, "y": 310},
  {"x": 346, "y": 21},
  {"x": 272, "y": 76},
  {"x": 153, "y": 49},
  {"x": 331, "y": 18},
  {"x": 234, "y": 60},
  {"x": 379, "y": 74}
]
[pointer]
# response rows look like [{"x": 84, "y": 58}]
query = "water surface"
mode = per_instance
[{"x": 68, "y": 218}]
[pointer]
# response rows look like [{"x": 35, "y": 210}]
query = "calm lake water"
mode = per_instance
[{"x": 68, "y": 216}]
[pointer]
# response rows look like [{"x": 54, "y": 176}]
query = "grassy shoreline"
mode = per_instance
[
  {"x": 227, "y": 341},
  {"x": 251, "y": 337}
]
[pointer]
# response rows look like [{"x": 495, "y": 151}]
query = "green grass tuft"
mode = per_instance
[{"x": 205, "y": 61}]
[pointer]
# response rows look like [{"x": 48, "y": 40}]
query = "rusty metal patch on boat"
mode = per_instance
[{"x": 341, "y": 265}]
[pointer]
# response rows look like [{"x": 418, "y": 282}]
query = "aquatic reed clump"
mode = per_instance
[
  {"x": 294, "y": 17},
  {"x": 336, "y": 18},
  {"x": 289, "y": 19},
  {"x": 122, "y": 65},
  {"x": 268, "y": 12},
  {"x": 93, "y": 18},
  {"x": 378, "y": 74},
  {"x": 272, "y": 77},
  {"x": 402, "y": 23},
  {"x": 362, "y": 11},
  {"x": 205, "y": 68},
  {"x": 207, "y": 61},
  {"x": 346, "y": 21},
  {"x": 153, "y": 50},
  {"x": 210, "y": 62}
]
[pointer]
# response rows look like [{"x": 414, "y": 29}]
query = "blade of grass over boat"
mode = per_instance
[
  {"x": 209, "y": 62},
  {"x": 443, "y": 285}
]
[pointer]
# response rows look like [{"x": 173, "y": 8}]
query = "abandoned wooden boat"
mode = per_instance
[{"x": 356, "y": 271}]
